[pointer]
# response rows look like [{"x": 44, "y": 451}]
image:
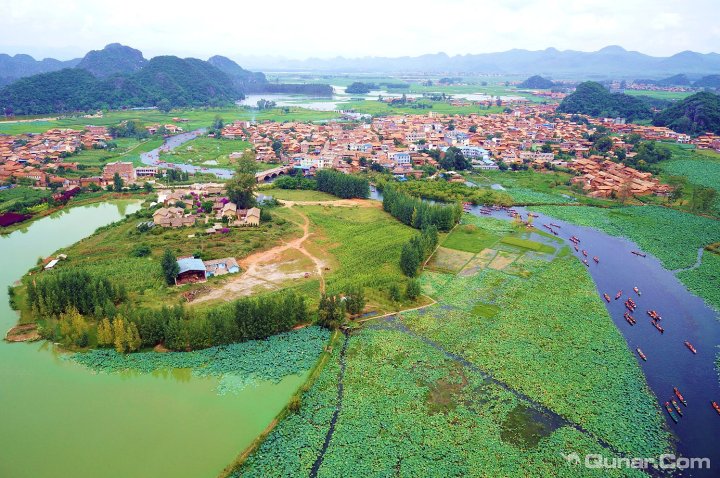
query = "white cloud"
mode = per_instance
[{"x": 324, "y": 28}]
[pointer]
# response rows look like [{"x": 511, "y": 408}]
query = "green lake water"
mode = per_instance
[{"x": 60, "y": 420}]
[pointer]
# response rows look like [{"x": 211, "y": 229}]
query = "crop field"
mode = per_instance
[
  {"x": 204, "y": 151},
  {"x": 663, "y": 95},
  {"x": 449, "y": 260},
  {"x": 700, "y": 167},
  {"x": 20, "y": 194},
  {"x": 469, "y": 238},
  {"x": 237, "y": 365}
]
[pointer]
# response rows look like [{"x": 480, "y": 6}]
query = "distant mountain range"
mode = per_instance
[
  {"x": 609, "y": 62},
  {"x": 119, "y": 76}
]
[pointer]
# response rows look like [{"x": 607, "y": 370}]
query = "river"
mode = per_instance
[
  {"x": 61, "y": 420},
  {"x": 684, "y": 317},
  {"x": 152, "y": 158}
]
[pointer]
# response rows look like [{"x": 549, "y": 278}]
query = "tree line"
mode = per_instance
[
  {"x": 418, "y": 213},
  {"x": 342, "y": 185},
  {"x": 417, "y": 250}
]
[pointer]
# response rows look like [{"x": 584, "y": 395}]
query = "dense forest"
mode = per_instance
[
  {"x": 342, "y": 185},
  {"x": 165, "y": 82},
  {"x": 592, "y": 98},
  {"x": 418, "y": 213},
  {"x": 695, "y": 114},
  {"x": 360, "y": 88}
]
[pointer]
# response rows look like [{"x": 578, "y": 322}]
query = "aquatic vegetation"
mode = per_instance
[
  {"x": 408, "y": 409},
  {"x": 561, "y": 349},
  {"x": 705, "y": 279},
  {"x": 672, "y": 236},
  {"x": 237, "y": 364},
  {"x": 527, "y": 196}
]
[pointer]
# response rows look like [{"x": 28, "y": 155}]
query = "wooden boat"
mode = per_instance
[
  {"x": 606, "y": 297},
  {"x": 641, "y": 354},
  {"x": 676, "y": 407},
  {"x": 576, "y": 249},
  {"x": 632, "y": 303},
  {"x": 531, "y": 214},
  {"x": 631, "y": 320},
  {"x": 690, "y": 346},
  {"x": 670, "y": 412},
  {"x": 679, "y": 396},
  {"x": 574, "y": 239},
  {"x": 584, "y": 261},
  {"x": 654, "y": 315},
  {"x": 716, "y": 406},
  {"x": 637, "y": 291},
  {"x": 658, "y": 326},
  {"x": 584, "y": 252},
  {"x": 555, "y": 225},
  {"x": 597, "y": 261},
  {"x": 641, "y": 254},
  {"x": 629, "y": 306},
  {"x": 618, "y": 295}
]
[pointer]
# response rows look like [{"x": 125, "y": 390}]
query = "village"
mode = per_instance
[{"x": 530, "y": 135}]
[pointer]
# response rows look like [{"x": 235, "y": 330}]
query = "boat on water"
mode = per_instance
[
  {"x": 574, "y": 239},
  {"x": 629, "y": 306},
  {"x": 584, "y": 261},
  {"x": 716, "y": 406},
  {"x": 676, "y": 407},
  {"x": 679, "y": 396},
  {"x": 584, "y": 252},
  {"x": 597, "y": 261},
  {"x": 576, "y": 249},
  {"x": 654, "y": 315},
  {"x": 658, "y": 326},
  {"x": 555, "y": 225},
  {"x": 531, "y": 214},
  {"x": 641, "y": 354},
  {"x": 631, "y": 320},
  {"x": 606, "y": 297},
  {"x": 670, "y": 412},
  {"x": 618, "y": 295},
  {"x": 641, "y": 254},
  {"x": 637, "y": 291},
  {"x": 690, "y": 346}
]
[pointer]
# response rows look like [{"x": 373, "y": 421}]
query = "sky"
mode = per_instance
[{"x": 299, "y": 29}]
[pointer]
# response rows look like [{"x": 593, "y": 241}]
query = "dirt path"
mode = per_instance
[{"x": 261, "y": 270}]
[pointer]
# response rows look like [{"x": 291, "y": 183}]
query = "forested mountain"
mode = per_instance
[
  {"x": 241, "y": 77},
  {"x": 165, "y": 81},
  {"x": 113, "y": 59},
  {"x": 675, "y": 80},
  {"x": 18, "y": 66},
  {"x": 592, "y": 98},
  {"x": 695, "y": 114},
  {"x": 709, "y": 81},
  {"x": 537, "y": 82}
]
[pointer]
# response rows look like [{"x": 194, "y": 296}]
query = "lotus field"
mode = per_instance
[{"x": 237, "y": 365}]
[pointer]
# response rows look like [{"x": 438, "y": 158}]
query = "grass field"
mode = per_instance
[
  {"x": 204, "y": 151},
  {"x": 663, "y": 95},
  {"x": 699, "y": 167},
  {"x": 10, "y": 197},
  {"x": 297, "y": 194},
  {"x": 469, "y": 238},
  {"x": 197, "y": 118},
  {"x": 378, "y": 108}
]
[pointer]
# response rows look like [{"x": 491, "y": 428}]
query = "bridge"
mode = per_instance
[{"x": 272, "y": 173}]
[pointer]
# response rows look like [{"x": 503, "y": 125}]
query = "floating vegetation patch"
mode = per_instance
[
  {"x": 525, "y": 426},
  {"x": 237, "y": 365},
  {"x": 485, "y": 310}
]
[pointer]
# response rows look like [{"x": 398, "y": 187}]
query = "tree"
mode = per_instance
[
  {"x": 409, "y": 260},
  {"x": 412, "y": 291},
  {"x": 702, "y": 198},
  {"x": 355, "y": 300},
  {"x": 132, "y": 337},
  {"x": 240, "y": 189},
  {"x": 603, "y": 144},
  {"x": 330, "y": 311},
  {"x": 164, "y": 105},
  {"x": 117, "y": 182},
  {"x": 148, "y": 187},
  {"x": 546, "y": 148},
  {"x": 105, "y": 336},
  {"x": 394, "y": 292},
  {"x": 170, "y": 267},
  {"x": 120, "y": 335},
  {"x": 74, "y": 329}
]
